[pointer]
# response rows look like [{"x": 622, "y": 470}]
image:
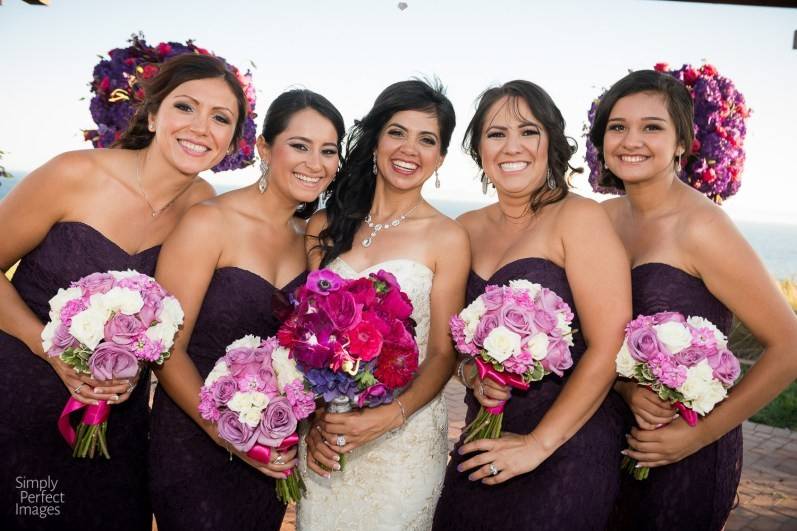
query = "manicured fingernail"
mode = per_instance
[
  {"x": 98, "y": 390},
  {"x": 459, "y": 451},
  {"x": 471, "y": 478},
  {"x": 337, "y": 457},
  {"x": 624, "y": 452},
  {"x": 659, "y": 425},
  {"x": 637, "y": 465},
  {"x": 459, "y": 468},
  {"x": 676, "y": 415}
]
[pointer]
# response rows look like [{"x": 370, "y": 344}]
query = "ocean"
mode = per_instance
[{"x": 775, "y": 243}]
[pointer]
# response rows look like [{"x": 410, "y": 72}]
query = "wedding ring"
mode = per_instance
[
  {"x": 130, "y": 387},
  {"x": 493, "y": 470},
  {"x": 481, "y": 389},
  {"x": 340, "y": 441},
  {"x": 279, "y": 459},
  {"x": 76, "y": 390},
  {"x": 115, "y": 398}
]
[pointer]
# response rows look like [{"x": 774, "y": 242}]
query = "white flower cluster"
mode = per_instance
[
  {"x": 248, "y": 341},
  {"x": 471, "y": 315},
  {"x": 701, "y": 390},
  {"x": 285, "y": 367},
  {"x": 249, "y": 405},
  {"x": 169, "y": 320}
]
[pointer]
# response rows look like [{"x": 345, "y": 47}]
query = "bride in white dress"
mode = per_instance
[{"x": 377, "y": 219}]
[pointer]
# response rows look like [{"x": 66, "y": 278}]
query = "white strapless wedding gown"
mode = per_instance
[{"x": 393, "y": 482}]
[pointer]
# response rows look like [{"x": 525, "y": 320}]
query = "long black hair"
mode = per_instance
[
  {"x": 281, "y": 111},
  {"x": 560, "y": 146},
  {"x": 350, "y": 199}
]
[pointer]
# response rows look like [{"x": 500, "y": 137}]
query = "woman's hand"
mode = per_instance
[
  {"x": 650, "y": 411},
  {"x": 488, "y": 392},
  {"x": 346, "y": 431},
  {"x": 278, "y": 464},
  {"x": 321, "y": 458},
  {"x": 89, "y": 391},
  {"x": 510, "y": 455},
  {"x": 666, "y": 445}
]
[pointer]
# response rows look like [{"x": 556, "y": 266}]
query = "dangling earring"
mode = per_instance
[
  {"x": 550, "y": 180},
  {"x": 678, "y": 164},
  {"x": 485, "y": 183},
  {"x": 436, "y": 180},
  {"x": 262, "y": 183},
  {"x": 375, "y": 169}
]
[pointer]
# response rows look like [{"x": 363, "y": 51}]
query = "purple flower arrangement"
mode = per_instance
[
  {"x": 717, "y": 160},
  {"x": 105, "y": 325},
  {"x": 685, "y": 361},
  {"x": 117, "y": 92},
  {"x": 256, "y": 396},
  {"x": 517, "y": 334}
]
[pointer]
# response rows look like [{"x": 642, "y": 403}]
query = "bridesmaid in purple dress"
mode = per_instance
[
  {"x": 556, "y": 466},
  {"x": 83, "y": 212},
  {"x": 224, "y": 263},
  {"x": 689, "y": 258}
]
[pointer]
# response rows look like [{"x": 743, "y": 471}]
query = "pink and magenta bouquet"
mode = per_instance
[
  {"x": 352, "y": 338},
  {"x": 685, "y": 361},
  {"x": 256, "y": 396},
  {"x": 516, "y": 334},
  {"x": 105, "y": 325}
]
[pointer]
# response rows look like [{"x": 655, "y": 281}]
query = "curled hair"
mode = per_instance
[
  {"x": 173, "y": 73},
  {"x": 560, "y": 146},
  {"x": 282, "y": 110},
  {"x": 351, "y": 198},
  {"x": 679, "y": 107}
]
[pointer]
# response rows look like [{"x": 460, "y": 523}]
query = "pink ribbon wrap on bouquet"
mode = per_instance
[
  {"x": 93, "y": 416},
  {"x": 687, "y": 414},
  {"x": 263, "y": 453},
  {"x": 486, "y": 370}
]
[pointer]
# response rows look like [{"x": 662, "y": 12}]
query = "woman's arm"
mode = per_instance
[{"x": 735, "y": 275}]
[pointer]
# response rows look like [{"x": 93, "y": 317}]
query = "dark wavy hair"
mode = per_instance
[
  {"x": 350, "y": 199},
  {"x": 173, "y": 73},
  {"x": 679, "y": 106},
  {"x": 282, "y": 110},
  {"x": 560, "y": 146}
]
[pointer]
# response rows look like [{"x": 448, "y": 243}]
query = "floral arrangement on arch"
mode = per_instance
[
  {"x": 117, "y": 92},
  {"x": 717, "y": 160}
]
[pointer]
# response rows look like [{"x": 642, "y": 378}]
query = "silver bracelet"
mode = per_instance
[
  {"x": 461, "y": 372},
  {"x": 403, "y": 413}
]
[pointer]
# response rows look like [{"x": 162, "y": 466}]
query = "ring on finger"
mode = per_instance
[
  {"x": 130, "y": 387},
  {"x": 493, "y": 469},
  {"x": 115, "y": 397},
  {"x": 76, "y": 390},
  {"x": 340, "y": 441},
  {"x": 481, "y": 389},
  {"x": 279, "y": 460}
]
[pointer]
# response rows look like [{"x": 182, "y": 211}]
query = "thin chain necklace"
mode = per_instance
[
  {"x": 377, "y": 227},
  {"x": 153, "y": 211}
]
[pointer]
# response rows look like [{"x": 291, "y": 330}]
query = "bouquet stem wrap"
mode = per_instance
[
  {"x": 487, "y": 424},
  {"x": 290, "y": 489},
  {"x": 91, "y": 430}
]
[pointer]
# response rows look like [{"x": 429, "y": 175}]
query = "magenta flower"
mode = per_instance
[
  {"x": 323, "y": 281},
  {"x": 341, "y": 309}
]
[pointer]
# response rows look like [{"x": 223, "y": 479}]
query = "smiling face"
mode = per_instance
[
  {"x": 303, "y": 159},
  {"x": 195, "y": 123},
  {"x": 640, "y": 141},
  {"x": 408, "y": 151},
  {"x": 513, "y": 147}
]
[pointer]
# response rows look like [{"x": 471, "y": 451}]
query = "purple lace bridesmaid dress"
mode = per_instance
[
  {"x": 697, "y": 492},
  {"x": 193, "y": 483},
  {"x": 574, "y": 488},
  {"x": 82, "y": 494}
]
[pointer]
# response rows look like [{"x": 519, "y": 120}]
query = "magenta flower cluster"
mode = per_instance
[
  {"x": 720, "y": 125},
  {"x": 117, "y": 92}
]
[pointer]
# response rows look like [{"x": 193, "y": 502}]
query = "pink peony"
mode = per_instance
[{"x": 341, "y": 309}]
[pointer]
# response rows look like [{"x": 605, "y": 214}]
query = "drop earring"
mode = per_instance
[
  {"x": 262, "y": 183},
  {"x": 549, "y": 179},
  {"x": 485, "y": 183},
  {"x": 375, "y": 168},
  {"x": 436, "y": 180}
]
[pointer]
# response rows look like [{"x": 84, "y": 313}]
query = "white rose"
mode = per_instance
[
  {"x": 501, "y": 343},
  {"x": 284, "y": 367},
  {"x": 701, "y": 322},
  {"x": 122, "y": 300},
  {"x": 218, "y": 371},
  {"x": 713, "y": 394},
  {"x": 88, "y": 326},
  {"x": 248, "y": 341},
  {"x": 245, "y": 400},
  {"x": 471, "y": 316},
  {"x": 538, "y": 346},
  {"x": 171, "y": 312},
  {"x": 163, "y": 332},
  {"x": 697, "y": 381},
  {"x": 61, "y": 298},
  {"x": 564, "y": 329},
  {"x": 47, "y": 335},
  {"x": 625, "y": 363},
  {"x": 251, "y": 417},
  {"x": 526, "y": 285},
  {"x": 119, "y": 275},
  {"x": 675, "y": 336}
]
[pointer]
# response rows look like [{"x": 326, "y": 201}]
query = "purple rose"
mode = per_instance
[
  {"x": 342, "y": 310},
  {"x": 278, "y": 422},
  {"x": 517, "y": 319},
  {"x": 223, "y": 390},
  {"x": 62, "y": 340},
  {"x": 493, "y": 298},
  {"x": 96, "y": 283},
  {"x": 123, "y": 329},
  {"x": 692, "y": 355},
  {"x": 486, "y": 325},
  {"x": 110, "y": 361},
  {"x": 545, "y": 320},
  {"x": 153, "y": 303},
  {"x": 666, "y": 317},
  {"x": 232, "y": 430},
  {"x": 558, "y": 359},
  {"x": 323, "y": 281},
  {"x": 726, "y": 367},
  {"x": 643, "y": 343},
  {"x": 238, "y": 358}
]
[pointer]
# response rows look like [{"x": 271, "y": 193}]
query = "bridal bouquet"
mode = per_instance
[
  {"x": 352, "y": 339},
  {"x": 685, "y": 361},
  {"x": 104, "y": 325},
  {"x": 516, "y": 334},
  {"x": 256, "y": 396}
]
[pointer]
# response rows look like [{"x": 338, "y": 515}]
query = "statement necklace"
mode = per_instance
[{"x": 376, "y": 227}]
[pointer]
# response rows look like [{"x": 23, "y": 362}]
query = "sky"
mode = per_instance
[{"x": 349, "y": 50}]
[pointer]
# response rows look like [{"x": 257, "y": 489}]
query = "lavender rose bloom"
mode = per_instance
[
  {"x": 96, "y": 283},
  {"x": 240, "y": 357},
  {"x": 486, "y": 325},
  {"x": 62, "y": 340},
  {"x": 545, "y": 320},
  {"x": 493, "y": 298},
  {"x": 726, "y": 367},
  {"x": 232, "y": 430},
  {"x": 110, "y": 361},
  {"x": 123, "y": 329},
  {"x": 153, "y": 303},
  {"x": 691, "y": 355},
  {"x": 277, "y": 423},
  {"x": 517, "y": 320},
  {"x": 558, "y": 359},
  {"x": 643, "y": 343},
  {"x": 223, "y": 389}
]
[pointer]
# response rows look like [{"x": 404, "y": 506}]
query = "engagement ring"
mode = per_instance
[
  {"x": 493, "y": 470},
  {"x": 340, "y": 441},
  {"x": 278, "y": 460},
  {"x": 76, "y": 390}
]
